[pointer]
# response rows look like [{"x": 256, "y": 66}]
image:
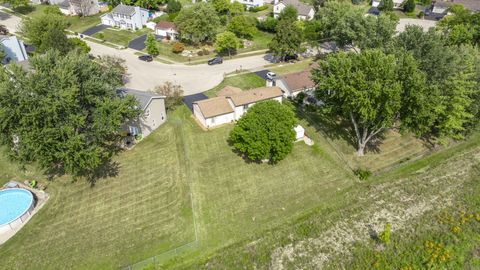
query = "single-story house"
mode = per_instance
[
  {"x": 154, "y": 113},
  {"x": 167, "y": 30},
  {"x": 126, "y": 17},
  {"x": 441, "y": 6},
  {"x": 250, "y": 3},
  {"x": 76, "y": 7},
  {"x": 13, "y": 48},
  {"x": 230, "y": 104},
  {"x": 294, "y": 83},
  {"x": 305, "y": 12}
]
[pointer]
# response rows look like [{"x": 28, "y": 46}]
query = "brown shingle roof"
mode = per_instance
[
  {"x": 302, "y": 9},
  {"x": 298, "y": 81},
  {"x": 214, "y": 106},
  {"x": 254, "y": 95},
  {"x": 165, "y": 25},
  {"x": 228, "y": 91}
]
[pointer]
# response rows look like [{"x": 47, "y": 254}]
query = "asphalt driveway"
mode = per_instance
[
  {"x": 93, "y": 30},
  {"x": 262, "y": 73},
  {"x": 189, "y": 100},
  {"x": 139, "y": 43}
]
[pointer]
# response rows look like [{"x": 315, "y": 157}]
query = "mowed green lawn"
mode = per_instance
[
  {"x": 244, "y": 81},
  {"x": 143, "y": 211},
  {"x": 120, "y": 37}
]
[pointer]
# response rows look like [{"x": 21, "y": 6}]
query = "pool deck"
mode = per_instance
[{"x": 41, "y": 197}]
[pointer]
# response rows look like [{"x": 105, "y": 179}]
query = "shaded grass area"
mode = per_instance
[
  {"x": 120, "y": 37},
  {"x": 389, "y": 149},
  {"x": 259, "y": 249},
  {"x": 244, "y": 81},
  {"x": 143, "y": 211},
  {"x": 286, "y": 68}
]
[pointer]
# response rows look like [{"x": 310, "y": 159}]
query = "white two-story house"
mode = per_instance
[
  {"x": 250, "y": 3},
  {"x": 126, "y": 17},
  {"x": 305, "y": 12}
]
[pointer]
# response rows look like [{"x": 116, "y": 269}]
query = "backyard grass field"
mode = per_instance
[{"x": 243, "y": 81}]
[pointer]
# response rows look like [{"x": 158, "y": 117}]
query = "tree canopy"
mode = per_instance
[
  {"x": 265, "y": 132},
  {"x": 64, "y": 114},
  {"x": 151, "y": 45},
  {"x": 198, "y": 23},
  {"x": 363, "y": 88},
  {"x": 243, "y": 26},
  {"x": 288, "y": 37},
  {"x": 227, "y": 42}
]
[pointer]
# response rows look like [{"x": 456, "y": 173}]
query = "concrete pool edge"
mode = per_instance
[
  {"x": 41, "y": 197},
  {"x": 28, "y": 209}
]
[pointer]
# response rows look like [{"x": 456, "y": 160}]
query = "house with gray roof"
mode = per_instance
[
  {"x": 126, "y": 17},
  {"x": 154, "y": 113},
  {"x": 305, "y": 12}
]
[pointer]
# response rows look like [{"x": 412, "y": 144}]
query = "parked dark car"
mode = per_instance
[
  {"x": 291, "y": 58},
  {"x": 146, "y": 58},
  {"x": 214, "y": 61}
]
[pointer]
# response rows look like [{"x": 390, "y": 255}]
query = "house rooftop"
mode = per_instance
[
  {"x": 302, "y": 9},
  {"x": 214, "y": 106},
  {"x": 124, "y": 9},
  {"x": 298, "y": 81},
  {"x": 228, "y": 91},
  {"x": 473, "y": 5},
  {"x": 165, "y": 25},
  {"x": 255, "y": 95},
  {"x": 143, "y": 97}
]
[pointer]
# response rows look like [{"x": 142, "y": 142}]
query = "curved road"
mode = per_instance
[{"x": 193, "y": 79}]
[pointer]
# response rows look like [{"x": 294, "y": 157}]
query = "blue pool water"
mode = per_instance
[{"x": 13, "y": 204}]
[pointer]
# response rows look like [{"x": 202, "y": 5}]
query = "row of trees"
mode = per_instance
[{"x": 417, "y": 82}]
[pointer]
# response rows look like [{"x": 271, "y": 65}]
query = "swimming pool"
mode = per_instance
[{"x": 16, "y": 205}]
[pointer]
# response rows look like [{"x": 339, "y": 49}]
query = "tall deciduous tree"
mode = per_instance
[
  {"x": 64, "y": 115},
  {"x": 47, "y": 32},
  {"x": 288, "y": 37},
  {"x": 16, "y": 3},
  {"x": 265, "y": 132},
  {"x": 409, "y": 6},
  {"x": 174, "y": 6},
  {"x": 198, "y": 23},
  {"x": 243, "y": 26},
  {"x": 386, "y": 5},
  {"x": 173, "y": 94},
  {"x": 378, "y": 32},
  {"x": 151, "y": 45},
  {"x": 227, "y": 42},
  {"x": 363, "y": 88}
]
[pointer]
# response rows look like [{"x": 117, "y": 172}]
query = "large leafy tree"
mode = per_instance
[
  {"x": 265, "y": 132},
  {"x": 378, "y": 32},
  {"x": 288, "y": 37},
  {"x": 243, "y": 26},
  {"x": 409, "y": 6},
  {"x": 227, "y": 42},
  {"x": 64, "y": 114},
  {"x": 386, "y": 5},
  {"x": 47, "y": 32},
  {"x": 16, "y": 3},
  {"x": 151, "y": 45},
  {"x": 363, "y": 88},
  {"x": 173, "y": 6},
  {"x": 198, "y": 23}
]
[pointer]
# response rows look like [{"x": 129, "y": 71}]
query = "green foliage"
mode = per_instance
[
  {"x": 65, "y": 114},
  {"x": 460, "y": 34},
  {"x": 409, "y": 6},
  {"x": 173, "y": 6},
  {"x": 257, "y": 9},
  {"x": 367, "y": 91},
  {"x": 268, "y": 25},
  {"x": 177, "y": 47},
  {"x": 226, "y": 42},
  {"x": 386, "y": 5},
  {"x": 362, "y": 174},
  {"x": 80, "y": 45},
  {"x": 377, "y": 32},
  {"x": 55, "y": 10},
  {"x": 16, "y": 3},
  {"x": 287, "y": 40},
  {"x": 461, "y": 20},
  {"x": 265, "y": 132},
  {"x": 173, "y": 94},
  {"x": 47, "y": 32},
  {"x": 151, "y": 45},
  {"x": 289, "y": 13},
  {"x": 384, "y": 236},
  {"x": 221, "y": 6},
  {"x": 198, "y": 23},
  {"x": 243, "y": 26},
  {"x": 236, "y": 9}
]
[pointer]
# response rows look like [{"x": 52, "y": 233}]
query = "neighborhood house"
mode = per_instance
[
  {"x": 13, "y": 48},
  {"x": 305, "y": 12},
  {"x": 126, "y": 17},
  {"x": 441, "y": 6},
  {"x": 231, "y": 103},
  {"x": 250, "y": 3},
  {"x": 166, "y": 30},
  {"x": 78, "y": 7},
  {"x": 294, "y": 83},
  {"x": 154, "y": 114},
  {"x": 396, "y": 3}
]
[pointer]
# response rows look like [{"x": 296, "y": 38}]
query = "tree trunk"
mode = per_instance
[{"x": 361, "y": 150}]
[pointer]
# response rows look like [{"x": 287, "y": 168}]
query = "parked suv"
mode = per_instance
[
  {"x": 214, "y": 61},
  {"x": 146, "y": 58}
]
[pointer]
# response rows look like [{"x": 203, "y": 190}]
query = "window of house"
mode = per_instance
[
  {"x": 153, "y": 123},
  {"x": 147, "y": 113},
  {"x": 213, "y": 120},
  {"x": 245, "y": 107}
]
